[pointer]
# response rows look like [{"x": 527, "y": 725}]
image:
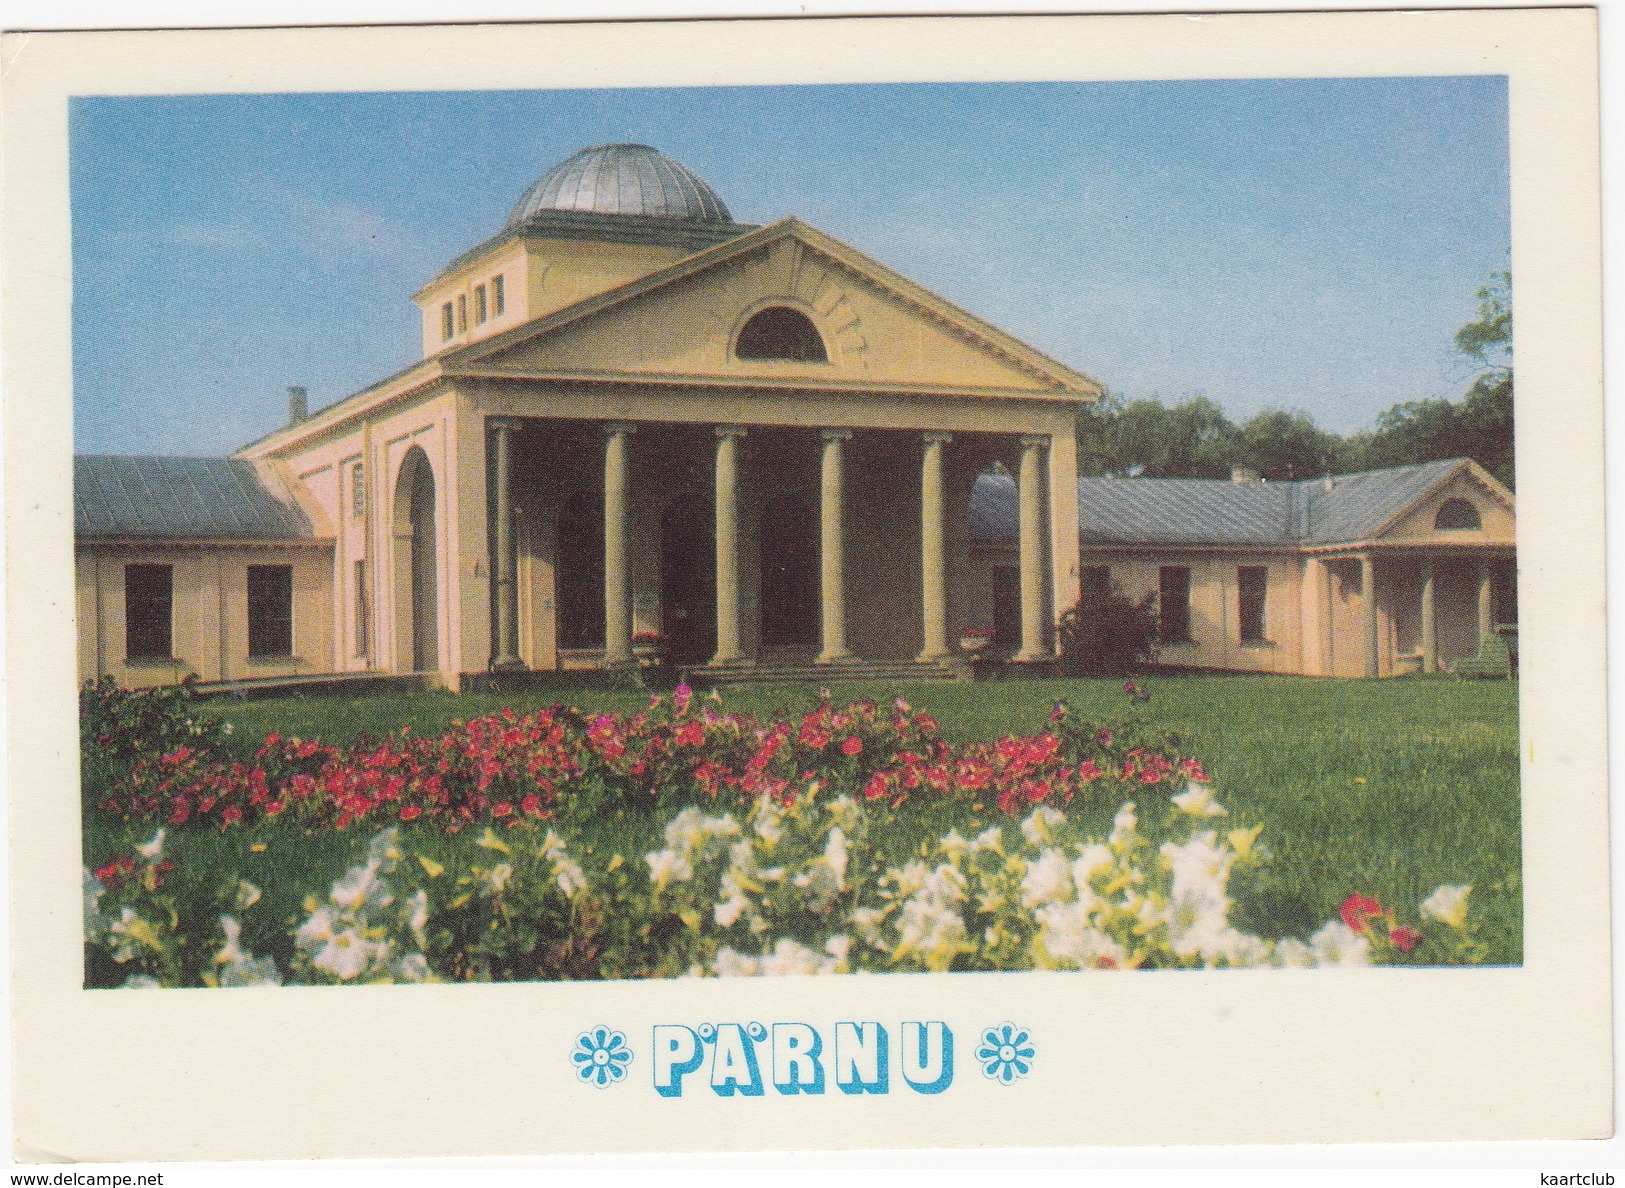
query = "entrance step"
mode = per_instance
[{"x": 822, "y": 674}]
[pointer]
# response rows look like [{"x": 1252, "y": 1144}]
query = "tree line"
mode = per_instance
[{"x": 1194, "y": 439}]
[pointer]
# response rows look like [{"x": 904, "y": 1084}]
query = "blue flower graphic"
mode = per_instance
[
  {"x": 601, "y": 1056},
  {"x": 1006, "y": 1053}
]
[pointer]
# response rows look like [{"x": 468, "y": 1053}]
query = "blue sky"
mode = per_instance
[{"x": 1308, "y": 244}]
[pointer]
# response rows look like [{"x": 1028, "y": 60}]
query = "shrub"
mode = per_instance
[
  {"x": 124, "y": 733},
  {"x": 1110, "y": 636}
]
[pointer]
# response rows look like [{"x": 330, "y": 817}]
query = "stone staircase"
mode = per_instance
[{"x": 822, "y": 674}]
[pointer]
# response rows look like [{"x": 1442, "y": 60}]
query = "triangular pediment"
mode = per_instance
[
  {"x": 1419, "y": 521},
  {"x": 878, "y": 329}
]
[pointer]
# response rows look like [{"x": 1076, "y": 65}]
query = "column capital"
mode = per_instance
[
  {"x": 613, "y": 428},
  {"x": 835, "y": 434},
  {"x": 936, "y": 437},
  {"x": 504, "y": 424},
  {"x": 730, "y": 431},
  {"x": 1034, "y": 440}
]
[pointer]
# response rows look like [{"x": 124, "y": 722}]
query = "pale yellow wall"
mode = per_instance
[
  {"x": 511, "y": 262},
  {"x": 688, "y": 327},
  {"x": 210, "y": 612}
]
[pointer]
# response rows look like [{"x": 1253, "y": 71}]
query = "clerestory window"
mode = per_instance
[{"x": 779, "y": 332}]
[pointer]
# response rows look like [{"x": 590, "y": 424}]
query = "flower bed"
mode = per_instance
[{"x": 843, "y": 839}]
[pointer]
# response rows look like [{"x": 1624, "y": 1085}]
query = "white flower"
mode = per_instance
[
  {"x": 991, "y": 838},
  {"x": 247, "y": 895},
  {"x": 1124, "y": 827},
  {"x": 685, "y": 829},
  {"x": 1338, "y": 944},
  {"x": 729, "y": 964},
  {"x": 141, "y": 982},
  {"x": 383, "y": 851},
  {"x": 1293, "y": 954},
  {"x": 570, "y": 877},
  {"x": 1198, "y": 921},
  {"x": 1201, "y": 866},
  {"x": 866, "y": 923},
  {"x": 730, "y": 909},
  {"x": 414, "y": 967},
  {"x": 1068, "y": 939},
  {"x": 95, "y": 925},
  {"x": 789, "y": 958},
  {"x": 835, "y": 855},
  {"x": 1197, "y": 800},
  {"x": 1039, "y": 828},
  {"x": 769, "y": 823},
  {"x": 1048, "y": 879},
  {"x": 252, "y": 971},
  {"x": 1447, "y": 905},
  {"x": 231, "y": 952},
  {"x": 130, "y": 934},
  {"x": 153, "y": 848},
  {"x": 497, "y": 880},
  {"x": 667, "y": 866},
  {"x": 552, "y": 846},
  {"x": 953, "y": 847},
  {"x": 317, "y": 930},
  {"x": 417, "y": 915},
  {"x": 346, "y": 955},
  {"x": 361, "y": 887},
  {"x": 1092, "y": 859},
  {"x": 838, "y": 947}
]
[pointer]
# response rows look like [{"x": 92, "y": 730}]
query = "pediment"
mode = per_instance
[
  {"x": 1491, "y": 502},
  {"x": 876, "y": 327}
]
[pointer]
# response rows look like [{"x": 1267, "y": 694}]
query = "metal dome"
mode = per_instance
[{"x": 622, "y": 179}]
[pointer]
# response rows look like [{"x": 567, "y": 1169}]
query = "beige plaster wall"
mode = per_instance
[
  {"x": 210, "y": 612},
  {"x": 1498, "y": 519}
]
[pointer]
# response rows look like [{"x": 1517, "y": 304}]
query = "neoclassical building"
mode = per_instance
[
  {"x": 633, "y": 417},
  {"x": 636, "y": 419}
]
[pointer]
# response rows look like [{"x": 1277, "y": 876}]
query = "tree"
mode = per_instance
[
  {"x": 1285, "y": 445},
  {"x": 1111, "y": 636}
]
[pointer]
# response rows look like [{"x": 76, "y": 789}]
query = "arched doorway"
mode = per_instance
[
  {"x": 417, "y": 569},
  {"x": 789, "y": 536},
  {"x": 580, "y": 573},
  {"x": 688, "y": 582}
]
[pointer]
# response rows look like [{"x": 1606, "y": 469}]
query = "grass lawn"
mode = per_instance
[{"x": 1382, "y": 788}]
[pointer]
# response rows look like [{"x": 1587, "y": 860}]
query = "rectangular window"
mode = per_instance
[
  {"x": 447, "y": 329},
  {"x": 498, "y": 297},
  {"x": 1096, "y": 584},
  {"x": 270, "y": 610},
  {"x": 462, "y": 314},
  {"x": 1251, "y": 584},
  {"x": 360, "y": 608},
  {"x": 479, "y": 304},
  {"x": 358, "y": 490},
  {"x": 1174, "y": 603},
  {"x": 149, "y": 603}
]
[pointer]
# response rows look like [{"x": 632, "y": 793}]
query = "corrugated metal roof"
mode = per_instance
[
  {"x": 1136, "y": 511},
  {"x": 622, "y": 179},
  {"x": 180, "y": 499}
]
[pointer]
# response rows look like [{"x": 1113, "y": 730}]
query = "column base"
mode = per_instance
[
  {"x": 837, "y": 658},
  {"x": 721, "y": 661},
  {"x": 507, "y": 664},
  {"x": 935, "y": 656}
]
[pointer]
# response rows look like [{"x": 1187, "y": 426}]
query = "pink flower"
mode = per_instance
[{"x": 851, "y": 745}]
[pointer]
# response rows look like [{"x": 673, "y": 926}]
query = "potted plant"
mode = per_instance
[
  {"x": 974, "y": 640},
  {"x": 649, "y": 648}
]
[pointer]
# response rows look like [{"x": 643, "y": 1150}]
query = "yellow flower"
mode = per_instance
[
  {"x": 434, "y": 869},
  {"x": 1241, "y": 840},
  {"x": 1448, "y": 905}
]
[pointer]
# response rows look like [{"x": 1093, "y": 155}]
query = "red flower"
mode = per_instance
[
  {"x": 501, "y": 808},
  {"x": 532, "y": 804},
  {"x": 691, "y": 734},
  {"x": 851, "y": 745},
  {"x": 1358, "y": 911},
  {"x": 410, "y": 812},
  {"x": 1405, "y": 939}
]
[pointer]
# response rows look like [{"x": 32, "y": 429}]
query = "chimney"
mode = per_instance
[
  {"x": 298, "y": 406},
  {"x": 1243, "y": 474}
]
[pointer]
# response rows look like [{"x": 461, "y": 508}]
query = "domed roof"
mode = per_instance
[{"x": 622, "y": 179}]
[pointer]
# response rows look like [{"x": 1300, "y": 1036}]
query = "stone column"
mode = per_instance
[
  {"x": 1486, "y": 599},
  {"x": 933, "y": 549},
  {"x": 1031, "y": 488},
  {"x": 617, "y": 572},
  {"x": 729, "y": 648},
  {"x": 1368, "y": 608},
  {"x": 504, "y": 556},
  {"x": 832, "y": 539},
  {"x": 1430, "y": 620}
]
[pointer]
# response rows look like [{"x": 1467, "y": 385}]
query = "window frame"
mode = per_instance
[
  {"x": 480, "y": 309},
  {"x": 499, "y": 295},
  {"x": 462, "y": 313},
  {"x": 448, "y": 324},
  {"x": 282, "y": 622},
  {"x": 1260, "y": 609},
  {"x": 132, "y": 654}
]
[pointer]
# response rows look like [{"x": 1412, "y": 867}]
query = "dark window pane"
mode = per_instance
[
  {"x": 1006, "y": 608},
  {"x": 1251, "y": 585},
  {"x": 1095, "y": 582},
  {"x": 1174, "y": 603},
  {"x": 781, "y": 333},
  {"x": 361, "y": 623},
  {"x": 499, "y": 296},
  {"x": 1457, "y": 515},
  {"x": 270, "y": 610},
  {"x": 149, "y": 598}
]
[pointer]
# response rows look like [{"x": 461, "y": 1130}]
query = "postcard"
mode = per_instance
[{"x": 750, "y": 585}]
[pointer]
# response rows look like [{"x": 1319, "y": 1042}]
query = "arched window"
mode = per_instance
[
  {"x": 781, "y": 333},
  {"x": 1457, "y": 515}
]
